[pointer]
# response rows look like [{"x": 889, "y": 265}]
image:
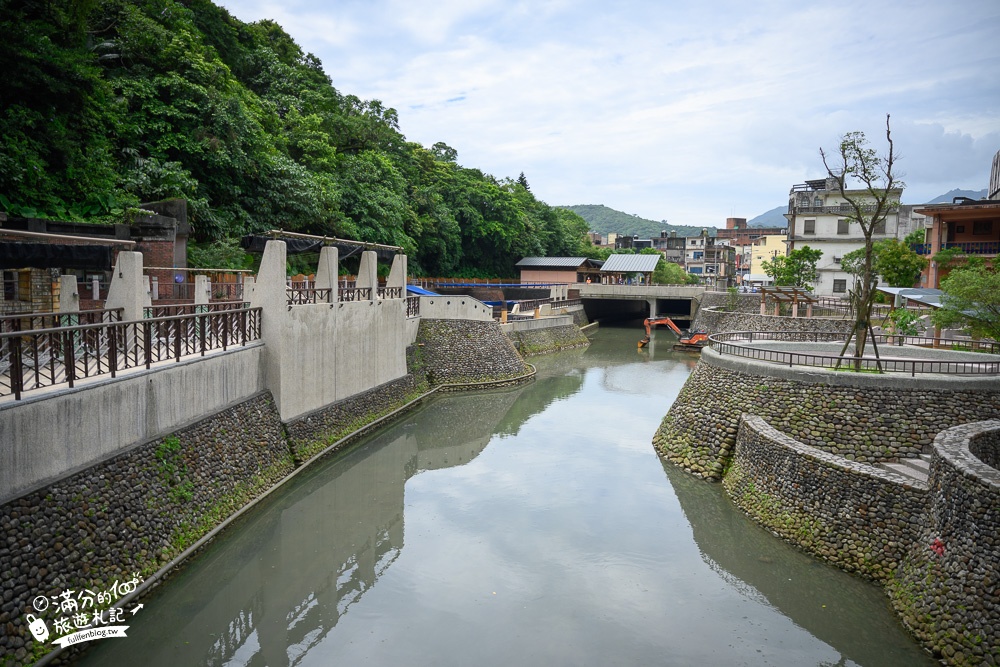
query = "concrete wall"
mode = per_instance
[
  {"x": 454, "y": 308},
  {"x": 551, "y": 334},
  {"x": 61, "y": 431}
]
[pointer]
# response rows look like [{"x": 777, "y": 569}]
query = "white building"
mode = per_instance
[{"x": 817, "y": 217}]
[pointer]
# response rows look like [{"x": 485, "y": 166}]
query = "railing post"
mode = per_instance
[
  {"x": 16, "y": 372},
  {"x": 178, "y": 326},
  {"x": 225, "y": 330},
  {"x": 69, "y": 359},
  {"x": 113, "y": 348},
  {"x": 201, "y": 332},
  {"x": 147, "y": 341}
]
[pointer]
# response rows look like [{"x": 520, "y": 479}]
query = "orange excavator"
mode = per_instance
[{"x": 690, "y": 342}]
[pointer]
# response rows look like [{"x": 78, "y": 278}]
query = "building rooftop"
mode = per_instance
[
  {"x": 630, "y": 263},
  {"x": 554, "y": 262}
]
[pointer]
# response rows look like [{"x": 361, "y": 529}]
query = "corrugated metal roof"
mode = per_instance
[
  {"x": 563, "y": 262},
  {"x": 630, "y": 263},
  {"x": 924, "y": 295}
]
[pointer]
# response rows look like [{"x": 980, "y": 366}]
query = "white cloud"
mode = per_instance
[{"x": 687, "y": 111}]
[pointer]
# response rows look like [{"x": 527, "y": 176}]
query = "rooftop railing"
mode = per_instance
[
  {"x": 740, "y": 344},
  {"x": 971, "y": 248},
  {"x": 40, "y": 358}
]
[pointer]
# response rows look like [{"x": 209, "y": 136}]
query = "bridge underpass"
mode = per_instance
[{"x": 630, "y": 302}]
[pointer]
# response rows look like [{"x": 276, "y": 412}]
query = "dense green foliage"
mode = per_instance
[
  {"x": 971, "y": 299},
  {"x": 604, "y": 220},
  {"x": 796, "y": 269},
  {"x": 892, "y": 260},
  {"x": 108, "y": 103}
]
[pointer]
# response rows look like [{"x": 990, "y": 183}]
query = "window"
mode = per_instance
[
  {"x": 818, "y": 202},
  {"x": 959, "y": 229},
  {"x": 698, "y": 254},
  {"x": 843, "y": 226},
  {"x": 982, "y": 227},
  {"x": 879, "y": 227},
  {"x": 809, "y": 227},
  {"x": 836, "y": 260},
  {"x": 839, "y": 285}
]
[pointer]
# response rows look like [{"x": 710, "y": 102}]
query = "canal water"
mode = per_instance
[{"x": 532, "y": 526}]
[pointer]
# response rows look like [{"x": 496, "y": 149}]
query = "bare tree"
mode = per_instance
[{"x": 867, "y": 205}]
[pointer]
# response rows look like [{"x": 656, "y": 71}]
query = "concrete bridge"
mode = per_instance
[{"x": 679, "y": 302}]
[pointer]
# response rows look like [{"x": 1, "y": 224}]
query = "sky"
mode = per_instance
[{"x": 689, "y": 112}]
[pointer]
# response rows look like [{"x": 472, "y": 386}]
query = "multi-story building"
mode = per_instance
[
  {"x": 818, "y": 218},
  {"x": 742, "y": 238},
  {"x": 671, "y": 245},
  {"x": 970, "y": 226},
  {"x": 712, "y": 260},
  {"x": 764, "y": 249}
]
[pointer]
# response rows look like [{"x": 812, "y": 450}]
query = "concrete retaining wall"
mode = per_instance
[
  {"x": 454, "y": 308},
  {"x": 52, "y": 434}
]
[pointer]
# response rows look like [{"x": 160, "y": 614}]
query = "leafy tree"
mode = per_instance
[
  {"x": 856, "y": 161},
  {"x": 896, "y": 263},
  {"x": 796, "y": 269},
  {"x": 523, "y": 182},
  {"x": 917, "y": 236},
  {"x": 668, "y": 273},
  {"x": 971, "y": 299}
]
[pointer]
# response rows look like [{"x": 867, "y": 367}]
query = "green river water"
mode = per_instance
[{"x": 531, "y": 526}]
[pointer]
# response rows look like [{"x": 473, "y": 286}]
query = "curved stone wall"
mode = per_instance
[
  {"x": 458, "y": 351},
  {"x": 719, "y": 320},
  {"x": 854, "y": 515},
  {"x": 948, "y": 589},
  {"x": 848, "y": 416},
  {"x": 552, "y": 339}
]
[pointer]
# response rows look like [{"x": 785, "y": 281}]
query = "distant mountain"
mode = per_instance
[
  {"x": 947, "y": 197},
  {"x": 604, "y": 220},
  {"x": 773, "y": 218}
]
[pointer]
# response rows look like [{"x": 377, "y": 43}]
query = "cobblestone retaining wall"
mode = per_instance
[
  {"x": 866, "y": 425},
  {"x": 719, "y": 320},
  {"x": 553, "y": 339},
  {"x": 133, "y": 513},
  {"x": 856, "y": 516},
  {"x": 948, "y": 590},
  {"x": 311, "y": 434},
  {"x": 458, "y": 351}
]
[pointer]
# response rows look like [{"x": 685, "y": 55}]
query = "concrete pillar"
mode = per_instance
[
  {"x": 154, "y": 288},
  {"x": 652, "y": 308},
  {"x": 368, "y": 272},
  {"x": 269, "y": 295},
  {"x": 763, "y": 305},
  {"x": 69, "y": 295},
  {"x": 202, "y": 290},
  {"x": 126, "y": 289},
  {"x": 795, "y": 308},
  {"x": 397, "y": 274},
  {"x": 327, "y": 271},
  {"x": 147, "y": 293},
  {"x": 248, "y": 285}
]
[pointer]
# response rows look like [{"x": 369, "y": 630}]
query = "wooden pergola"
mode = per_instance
[{"x": 793, "y": 295}]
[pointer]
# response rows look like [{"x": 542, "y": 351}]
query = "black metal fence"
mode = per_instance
[
  {"x": 39, "y": 358},
  {"x": 740, "y": 344},
  {"x": 29, "y": 321}
]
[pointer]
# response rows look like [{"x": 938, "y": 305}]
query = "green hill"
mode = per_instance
[
  {"x": 604, "y": 220},
  {"x": 111, "y": 103}
]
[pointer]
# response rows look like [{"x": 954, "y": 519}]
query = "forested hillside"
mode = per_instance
[
  {"x": 109, "y": 103},
  {"x": 603, "y": 220}
]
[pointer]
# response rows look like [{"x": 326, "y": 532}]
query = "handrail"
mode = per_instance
[
  {"x": 42, "y": 358},
  {"x": 727, "y": 343},
  {"x": 35, "y": 321}
]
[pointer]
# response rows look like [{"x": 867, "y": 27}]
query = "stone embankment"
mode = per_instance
[
  {"x": 542, "y": 341},
  {"x": 795, "y": 450},
  {"x": 741, "y": 312},
  {"x": 135, "y": 513}
]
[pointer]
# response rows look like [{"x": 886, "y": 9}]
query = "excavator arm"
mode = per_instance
[{"x": 695, "y": 340}]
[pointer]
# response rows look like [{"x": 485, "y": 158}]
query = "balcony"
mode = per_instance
[{"x": 973, "y": 248}]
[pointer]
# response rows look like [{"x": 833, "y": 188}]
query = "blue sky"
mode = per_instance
[{"x": 686, "y": 111}]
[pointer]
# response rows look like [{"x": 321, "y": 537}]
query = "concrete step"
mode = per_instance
[
  {"x": 906, "y": 470},
  {"x": 921, "y": 465}
]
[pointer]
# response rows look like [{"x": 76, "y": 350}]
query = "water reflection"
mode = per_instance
[{"x": 540, "y": 528}]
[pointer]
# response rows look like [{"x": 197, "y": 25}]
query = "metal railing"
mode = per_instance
[
  {"x": 40, "y": 358},
  {"x": 739, "y": 344},
  {"x": 355, "y": 294},
  {"x": 413, "y": 306},
  {"x": 390, "y": 293},
  {"x": 971, "y": 248},
  {"x": 302, "y": 295},
  {"x": 29, "y": 321},
  {"x": 172, "y": 310}
]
